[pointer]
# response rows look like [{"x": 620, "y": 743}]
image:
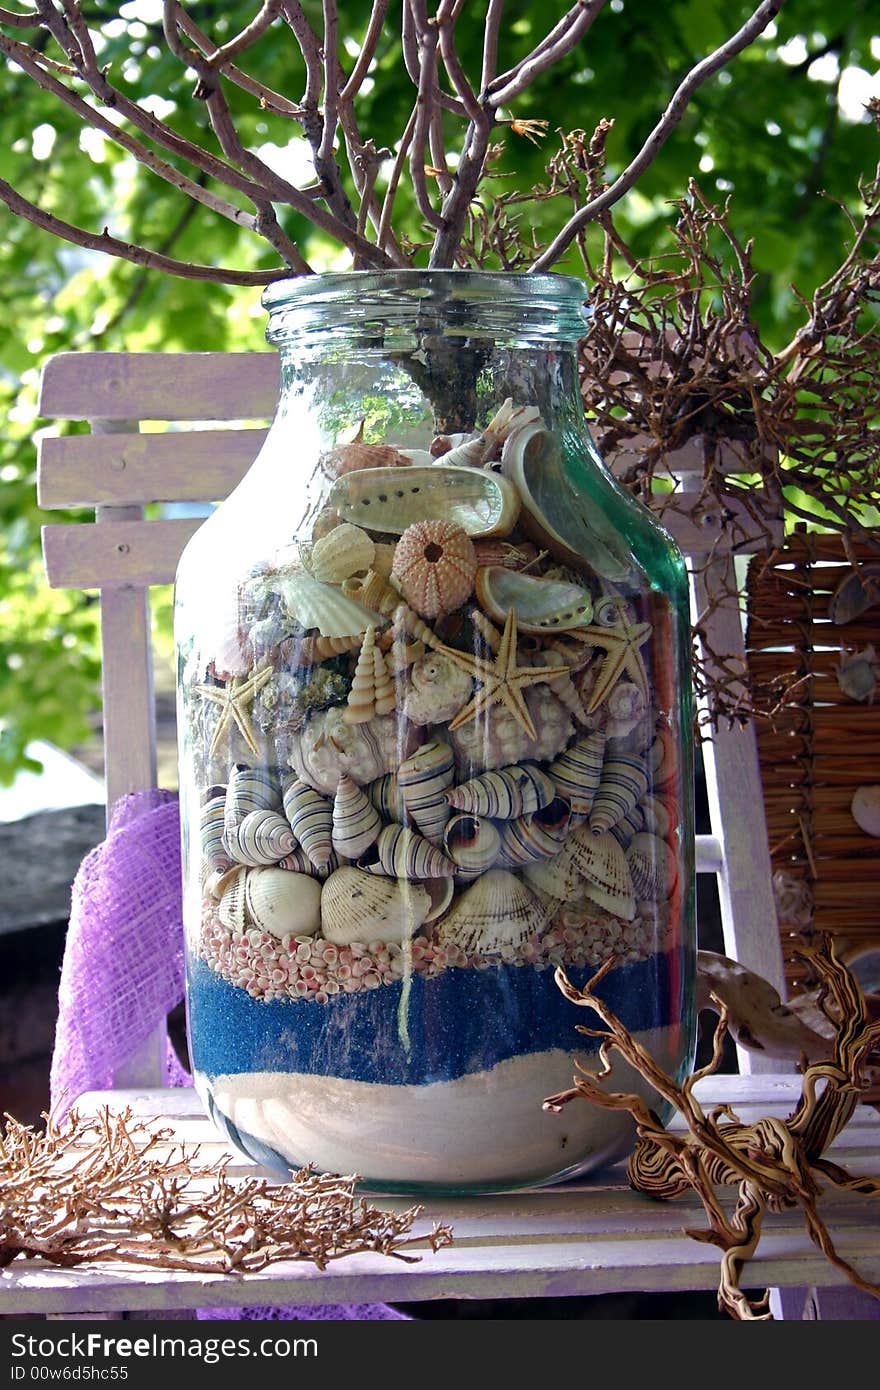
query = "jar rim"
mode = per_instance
[{"x": 448, "y": 284}]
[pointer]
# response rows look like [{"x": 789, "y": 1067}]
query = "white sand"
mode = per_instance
[{"x": 483, "y": 1129}]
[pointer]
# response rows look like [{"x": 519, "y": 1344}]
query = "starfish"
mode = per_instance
[
  {"x": 501, "y": 681},
  {"x": 233, "y": 699},
  {"x": 621, "y": 645}
]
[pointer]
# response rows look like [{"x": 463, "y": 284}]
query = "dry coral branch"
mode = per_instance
[
  {"x": 113, "y": 1188},
  {"x": 774, "y": 1164}
]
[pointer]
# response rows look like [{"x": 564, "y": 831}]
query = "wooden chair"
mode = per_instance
[{"x": 582, "y": 1238}]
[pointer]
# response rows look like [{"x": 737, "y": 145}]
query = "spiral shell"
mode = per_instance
[
  {"x": 495, "y": 912},
  {"x": 437, "y": 689},
  {"x": 623, "y": 782},
  {"x": 308, "y": 650},
  {"x": 423, "y": 780},
  {"x": 211, "y": 826},
  {"x": 384, "y": 793},
  {"x": 509, "y": 792},
  {"x": 358, "y": 906},
  {"x": 576, "y": 772},
  {"x": 250, "y": 789},
  {"x": 298, "y": 862},
  {"x": 527, "y": 840},
  {"x": 374, "y": 591},
  {"x": 632, "y": 823},
  {"x": 434, "y": 566},
  {"x": 472, "y": 843},
  {"x": 311, "y": 820},
  {"x": 402, "y": 853},
  {"x": 282, "y": 903},
  {"x": 372, "y": 689},
  {"x": 263, "y": 837},
  {"x": 602, "y": 864},
  {"x": 663, "y": 758},
  {"x": 356, "y": 822},
  {"x": 328, "y": 746},
  {"x": 653, "y": 867},
  {"x": 344, "y": 551}
]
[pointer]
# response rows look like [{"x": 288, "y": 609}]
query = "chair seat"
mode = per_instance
[{"x": 580, "y": 1238}]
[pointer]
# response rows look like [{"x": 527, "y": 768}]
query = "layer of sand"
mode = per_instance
[{"x": 486, "y": 1129}]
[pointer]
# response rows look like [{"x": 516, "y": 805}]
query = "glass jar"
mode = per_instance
[{"x": 435, "y": 715}]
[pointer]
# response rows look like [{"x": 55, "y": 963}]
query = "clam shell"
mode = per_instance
[
  {"x": 250, "y": 789},
  {"x": 311, "y": 820},
  {"x": 602, "y": 864},
  {"x": 472, "y": 843},
  {"x": 356, "y": 455},
  {"x": 496, "y": 911},
  {"x": 624, "y": 781},
  {"x": 372, "y": 689},
  {"x": 345, "y": 551},
  {"x": 865, "y": 807},
  {"x": 434, "y": 566},
  {"x": 504, "y": 794},
  {"x": 541, "y": 605},
  {"x": 423, "y": 780},
  {"x": 576, "y": 773},
  {"x": 403, "y": 853},
  {"x": 383, "y": 499},
  {"x": 211, "y": 826},
  {"x": 282, "y": 903},
  {"x": 652, "y": 865},
  {"x": 356, "y": 822},
  {"x": 557, "y": 878},
  {"x": 321, "y": 606},
  {"x": 358, "y": 906},
  {"x": 263, "y": 837},
  {"x": 230, "y": 908}
]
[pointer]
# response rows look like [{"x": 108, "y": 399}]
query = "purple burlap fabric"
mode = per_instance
[{"x": 123, "y": 971}]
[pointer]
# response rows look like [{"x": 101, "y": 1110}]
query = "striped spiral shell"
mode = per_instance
[
  {"x": 623, "y": 782},
  {"x": 262, "y": 838},
  {"x": 356, "y": 822},
  {"x": 250, "y": 789},
  {"x": 472, "y": 843},
  {"x": 402, "y": 853},
  {"x": 311, "y": 820},
  {"x": 211, "y": 827},
  {"x": 525, "y": 841},
  {"x": 509, "y": 792},
  {"x": 374, "y": 591},
  {"x": 576, "y": 772},
  {"x": 434, "y": 566},
  {"x": 384, "y": 793},
  {"x": 423, "y": 780}
]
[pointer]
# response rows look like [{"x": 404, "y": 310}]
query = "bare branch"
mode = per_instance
[
  {"x": 368, "y": 50},
  {"x": 560, "y": 41},
  {"x": 18, "y": 21},
  {"x": 269, "y": 100},
  {"x": 445, "y": 23},
  {"x": 259, "y": 24},
  {"x": 426, "y": 39},
  {"x": 490, "y": 42}
]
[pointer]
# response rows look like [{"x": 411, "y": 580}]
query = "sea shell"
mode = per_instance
[
  {"x": 624, "y": 707},
  {"x": 384, "y": 793},
  {"x": 322, "y": 606},
  {"x": 306, "y": 651},
  {"x": 557, "y": 878},
  {"x": 372, "y": 689},
  {"x": 630, "y": 824},
  {"x": 298, "y": 862},
  {"x": 311, "y": 819},
  {"x": 576, "y": 773},
  {"x": 434, "y": 566},
  {"x": 541, "y": 605},
  {"x": 329, "y": 746},
  {"x": 345, "y": 551},
  {"x": 250, "y": 789},
  {"x": 496, "y": 911},
  {"x": 657, "y": 815},
  {"x": 374, "y": 591},
  {"x": 441, "y": 891},
  {"x": 263, "y": 837},
  {"x": 623, "y": 782},
  {"x": 855, "y": 594},
  {"x": 472, "y": 843},
  {"x": 230, "y": 908},
  {"x": 211, "y": 827},
  {"x": 602, "y": 864},
  {"x": 527, "y": 840},
  {"x": 865, "y": 807},
  {"x": 356, "y": 822},
  {"x": 481, "y": 745},
  {"x": 356, "y": 455},
  {"x": 423, "y": 780},
  {"x": 652, "y": 865},
  {"x": 403, "y": 853},
  {"x": 358, "y": 906},
  {"x": 282, "y": 903},
  {"x": 505, "y": 793},
  {"x": 382, "y": 499},
  {"x": 437, "y": 690},
  {"x": 663, "y": 758},
  {"x": 511, "y": 556}
]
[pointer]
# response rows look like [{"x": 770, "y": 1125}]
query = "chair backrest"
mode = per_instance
[{"x": 137, "y": 454}]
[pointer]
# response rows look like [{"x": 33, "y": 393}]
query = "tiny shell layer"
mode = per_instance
[{"x": 434, "y": 566}]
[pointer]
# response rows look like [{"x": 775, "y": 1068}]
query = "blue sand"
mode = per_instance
[{"x": 461, "y": 1021}]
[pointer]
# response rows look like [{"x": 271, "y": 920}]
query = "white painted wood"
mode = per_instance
[
  {"x": 136, "y": 553},
  {"x": 160, "y": 386}
]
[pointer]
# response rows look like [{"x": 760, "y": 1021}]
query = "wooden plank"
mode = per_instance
[
  {"x": 193, "y": 466},
  {"x": 129, "y": 552},
  {"x": 160, "y": 385}
]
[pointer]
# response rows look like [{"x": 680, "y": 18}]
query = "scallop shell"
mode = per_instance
[
  {"x": 372, "y": 590},
  {"x": 321, "y": 606},
  {"x": 576, "y": 773},
  {"x": 345, "y": 551},
  {"x": 496, "y": 911},
  {"x": 437, "y": 690},
  {"x": 356, "y": 456},
  {"x": 505, "y": 793},
  {"x": 602, "y": 864},
  {"x": 624, "y": 781},
  {"x": 865, "y": 807},
  {"x": 356, "y": 822},
  {"x": 250, "y": 789},
  {"x": 403, "y": 853},
  {"x": 434, "y": 566},
  {"x": 263, "y": 837},
  {"x": 653, "y": 867},
  {"x": 423, "y": 780},
  {"x": 311, "y": 820},
  {"x": 328, "y": 746},
  {"x": 541, "y": 605},
  {"x": 211, "y": 826},
  {"x": 283, "y": 903},
  {"x": 372, "y": 689},
  {"x": 358, "y": 906},
  {"x": 472, "y": 843},
  {"x": 383, "y": 499}
]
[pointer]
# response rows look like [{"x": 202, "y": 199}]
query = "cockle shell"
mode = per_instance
[
  {"x": 250, "y": 789},
  {"x": 504, "y": 794},
  {"x": 329, "y": 746},
  {"x": 358, "y": 906},
  {"x": 623, "y": 782},
  {"x": 576, "y": 772},
  {"x": 541, "y": 605},
  {"x": 472, "y": 843},
  {"x": 282, "y": 903},
  {"x": 311, "y": 820},
  {"x": 434, "y": 566},
  {"x": 652, "y": 865},
  {"x": 321, "y": 606},
  {"x": 356, "y": 455},
  {"x": 374, "y": 591},
  {"x": 865, "y": 808},
  {"x": 496, "y": 911},
  {"x": 557, "y": 878},
  {"x": 356, "y": 822},
  {"x": 345, "y": 551},
  {"x": 372, "y": 689},
  {"x": 423, "y": 780},
  {"x": 263, "y": 837},
  {"x": 602, "y": 864},
  {"x": 403, "y": 853},
  {"x": 382, "y": 499},
  {"x": 437, "y": 690},
  {"x": 230, "y": 908},
  {"x": 211, "y": 826}
]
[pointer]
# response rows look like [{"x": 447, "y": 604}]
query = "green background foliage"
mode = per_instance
[{"x": 780, "y": 133}]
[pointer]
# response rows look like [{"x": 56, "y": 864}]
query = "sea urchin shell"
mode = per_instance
[{"x": 434, "y": 565}]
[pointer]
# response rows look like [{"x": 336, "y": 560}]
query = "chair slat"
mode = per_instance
[
  {"x": 160, "y": 385},
  {"x": 107, "y": 555},
  {"x": 88, "y": 470}
]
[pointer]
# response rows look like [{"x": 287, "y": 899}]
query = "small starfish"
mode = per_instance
[
  {"x": 501, "y": 680},
  {"x": 233, "y": 699},
  {"x": 621, "y": 644}
]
